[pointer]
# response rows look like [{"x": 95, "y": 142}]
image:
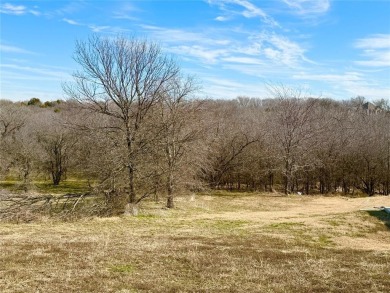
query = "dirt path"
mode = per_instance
[
  {"x": 340, "y": 217},
  {"x": 300, "y": 209}
]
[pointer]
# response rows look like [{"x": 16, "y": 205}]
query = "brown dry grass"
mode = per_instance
[{"x": 216, "y": 243}]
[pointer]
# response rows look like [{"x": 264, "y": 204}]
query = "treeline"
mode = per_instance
[
  {"x": 133, "y": 127},
  {"x": 289, "y": 144}
]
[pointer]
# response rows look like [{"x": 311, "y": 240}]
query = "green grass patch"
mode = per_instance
[
  {"x": 68, "y": 186},
  {"x": 229, "y": 225},
  {"x": 286, "y": 225},
  {"x": 324, "y": 240},
  {"x": 222, "y": 225},
  {"x": 146, "y": 216},
  {"x": 334, "y": 223}
]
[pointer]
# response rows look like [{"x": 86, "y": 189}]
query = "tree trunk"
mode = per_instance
[
  {"x": 130, "y": 165},
  {"x": 132, "y": 195},
  {"x": 271, "y": 181},
  {"x": 56, "y": 178},
  {"x": 170, "y": 203}
]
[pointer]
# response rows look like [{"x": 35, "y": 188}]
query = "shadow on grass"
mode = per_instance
[{"x": 381, "y": 215}]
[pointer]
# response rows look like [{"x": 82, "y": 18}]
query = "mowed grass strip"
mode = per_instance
[{"x": 175, "y": 251}]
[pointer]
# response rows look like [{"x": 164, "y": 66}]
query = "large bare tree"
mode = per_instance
[
  {"x": 294, "y": 130},
  {"x": 178, "y": 129},
  {"x": 124, "y": 79}
]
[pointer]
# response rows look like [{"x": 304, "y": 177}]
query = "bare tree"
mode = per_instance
[
  {"x": 176, "y": 116},
  {"x": 230, "y": 133},
  {"x": 124, "y": 79},
  {"x": 57, "y": 142},
  {"x": 13, "y": 118},
  {"x": 294, "y": 129}
]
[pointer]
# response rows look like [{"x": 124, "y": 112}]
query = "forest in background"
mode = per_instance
[
  {"x": 133, "y": 128},
  {"x": 288, "y": 144}
]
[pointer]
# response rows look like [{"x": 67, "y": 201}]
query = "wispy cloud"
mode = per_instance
[
  {"x": 33, "y": 73},
  {"x": 376, "y": 50},
  {"x": 97, "y": 28},
  {"x": 171, "y": 35},
  {"x": 244, "y": 60},
  {"x": 127, "y": 11},
  {"x": 107, "y": 29},
  {"x": 25, "y": 80},
  {"x": 8, "y": 8},
  {"x": 246, "y": 9},
  {"x": 69, "y": 8},
  {"x": 345, "y": 77},
  {"x": 239, "y": 49},
  {"x": 353, "y": 83},
  {"x": 224, "y": 88},
  {"x": 13, "y": 49},
  {"x": 206, "y": 55},
  {"x": 222, "y": 18},
  {"x": 71, "y": 21},
  {"x": 281, "y": 49},
  {"x": 378, "y": 41},
  {"x": 308, "y": 7}
]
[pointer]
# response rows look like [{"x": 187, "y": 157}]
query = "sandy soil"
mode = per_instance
[{"x": 338, "y": 216}]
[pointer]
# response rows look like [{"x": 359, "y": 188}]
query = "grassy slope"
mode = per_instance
[{"x": 197, "y": 248}]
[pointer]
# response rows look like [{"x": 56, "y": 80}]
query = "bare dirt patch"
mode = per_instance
[{"x": 345, "y": 218}]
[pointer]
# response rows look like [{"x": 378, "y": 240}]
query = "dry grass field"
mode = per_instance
[{"x": 220, "y": 242}]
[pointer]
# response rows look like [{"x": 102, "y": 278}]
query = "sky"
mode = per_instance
[{"x": 335, "y": 49}]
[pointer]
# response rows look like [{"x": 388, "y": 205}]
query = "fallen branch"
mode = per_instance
[{"x": 17, "y": 206}]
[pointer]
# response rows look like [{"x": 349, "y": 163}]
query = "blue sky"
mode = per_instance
[{"x": 329, "y": 48}]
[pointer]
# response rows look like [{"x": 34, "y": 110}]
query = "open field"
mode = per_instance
[{"x": 220, "y": 242}]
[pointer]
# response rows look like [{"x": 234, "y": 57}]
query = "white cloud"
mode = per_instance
[
  {"x": 243, "y": 60},
  {"x": 377, "y": 60},
  {"x": 224, "y": 88},
  {"x": 8, "y": 8},
  {"x": 308, "y": 7},
  {"x": 13, "y": 49},
  {"x": 378, "y": 41},
  {"x": 243, "y": 51},
  {"x": 206, "y": 55},
  {"x": 35, "y": 12},
  {"x": 280, "y": 49},
  {"x": 250, "y": 10},
  {"x": 346, "y": 77},
  {"x": 127, "y": 11},
  {"x": 98, "y": 28},
  {"x": 375, "y": 49},
  {"x": 107, "y": 29},
  {"x": 71, "y": 21},
  {"x": 349, "y": 84},
  {"x": 168, "y": 35},
  {"x": 33, "y": 73},
  {"x": 11, "y": 9},
  {"x": 222, "y": 18},
  {"x": 21, "y": 81}
]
